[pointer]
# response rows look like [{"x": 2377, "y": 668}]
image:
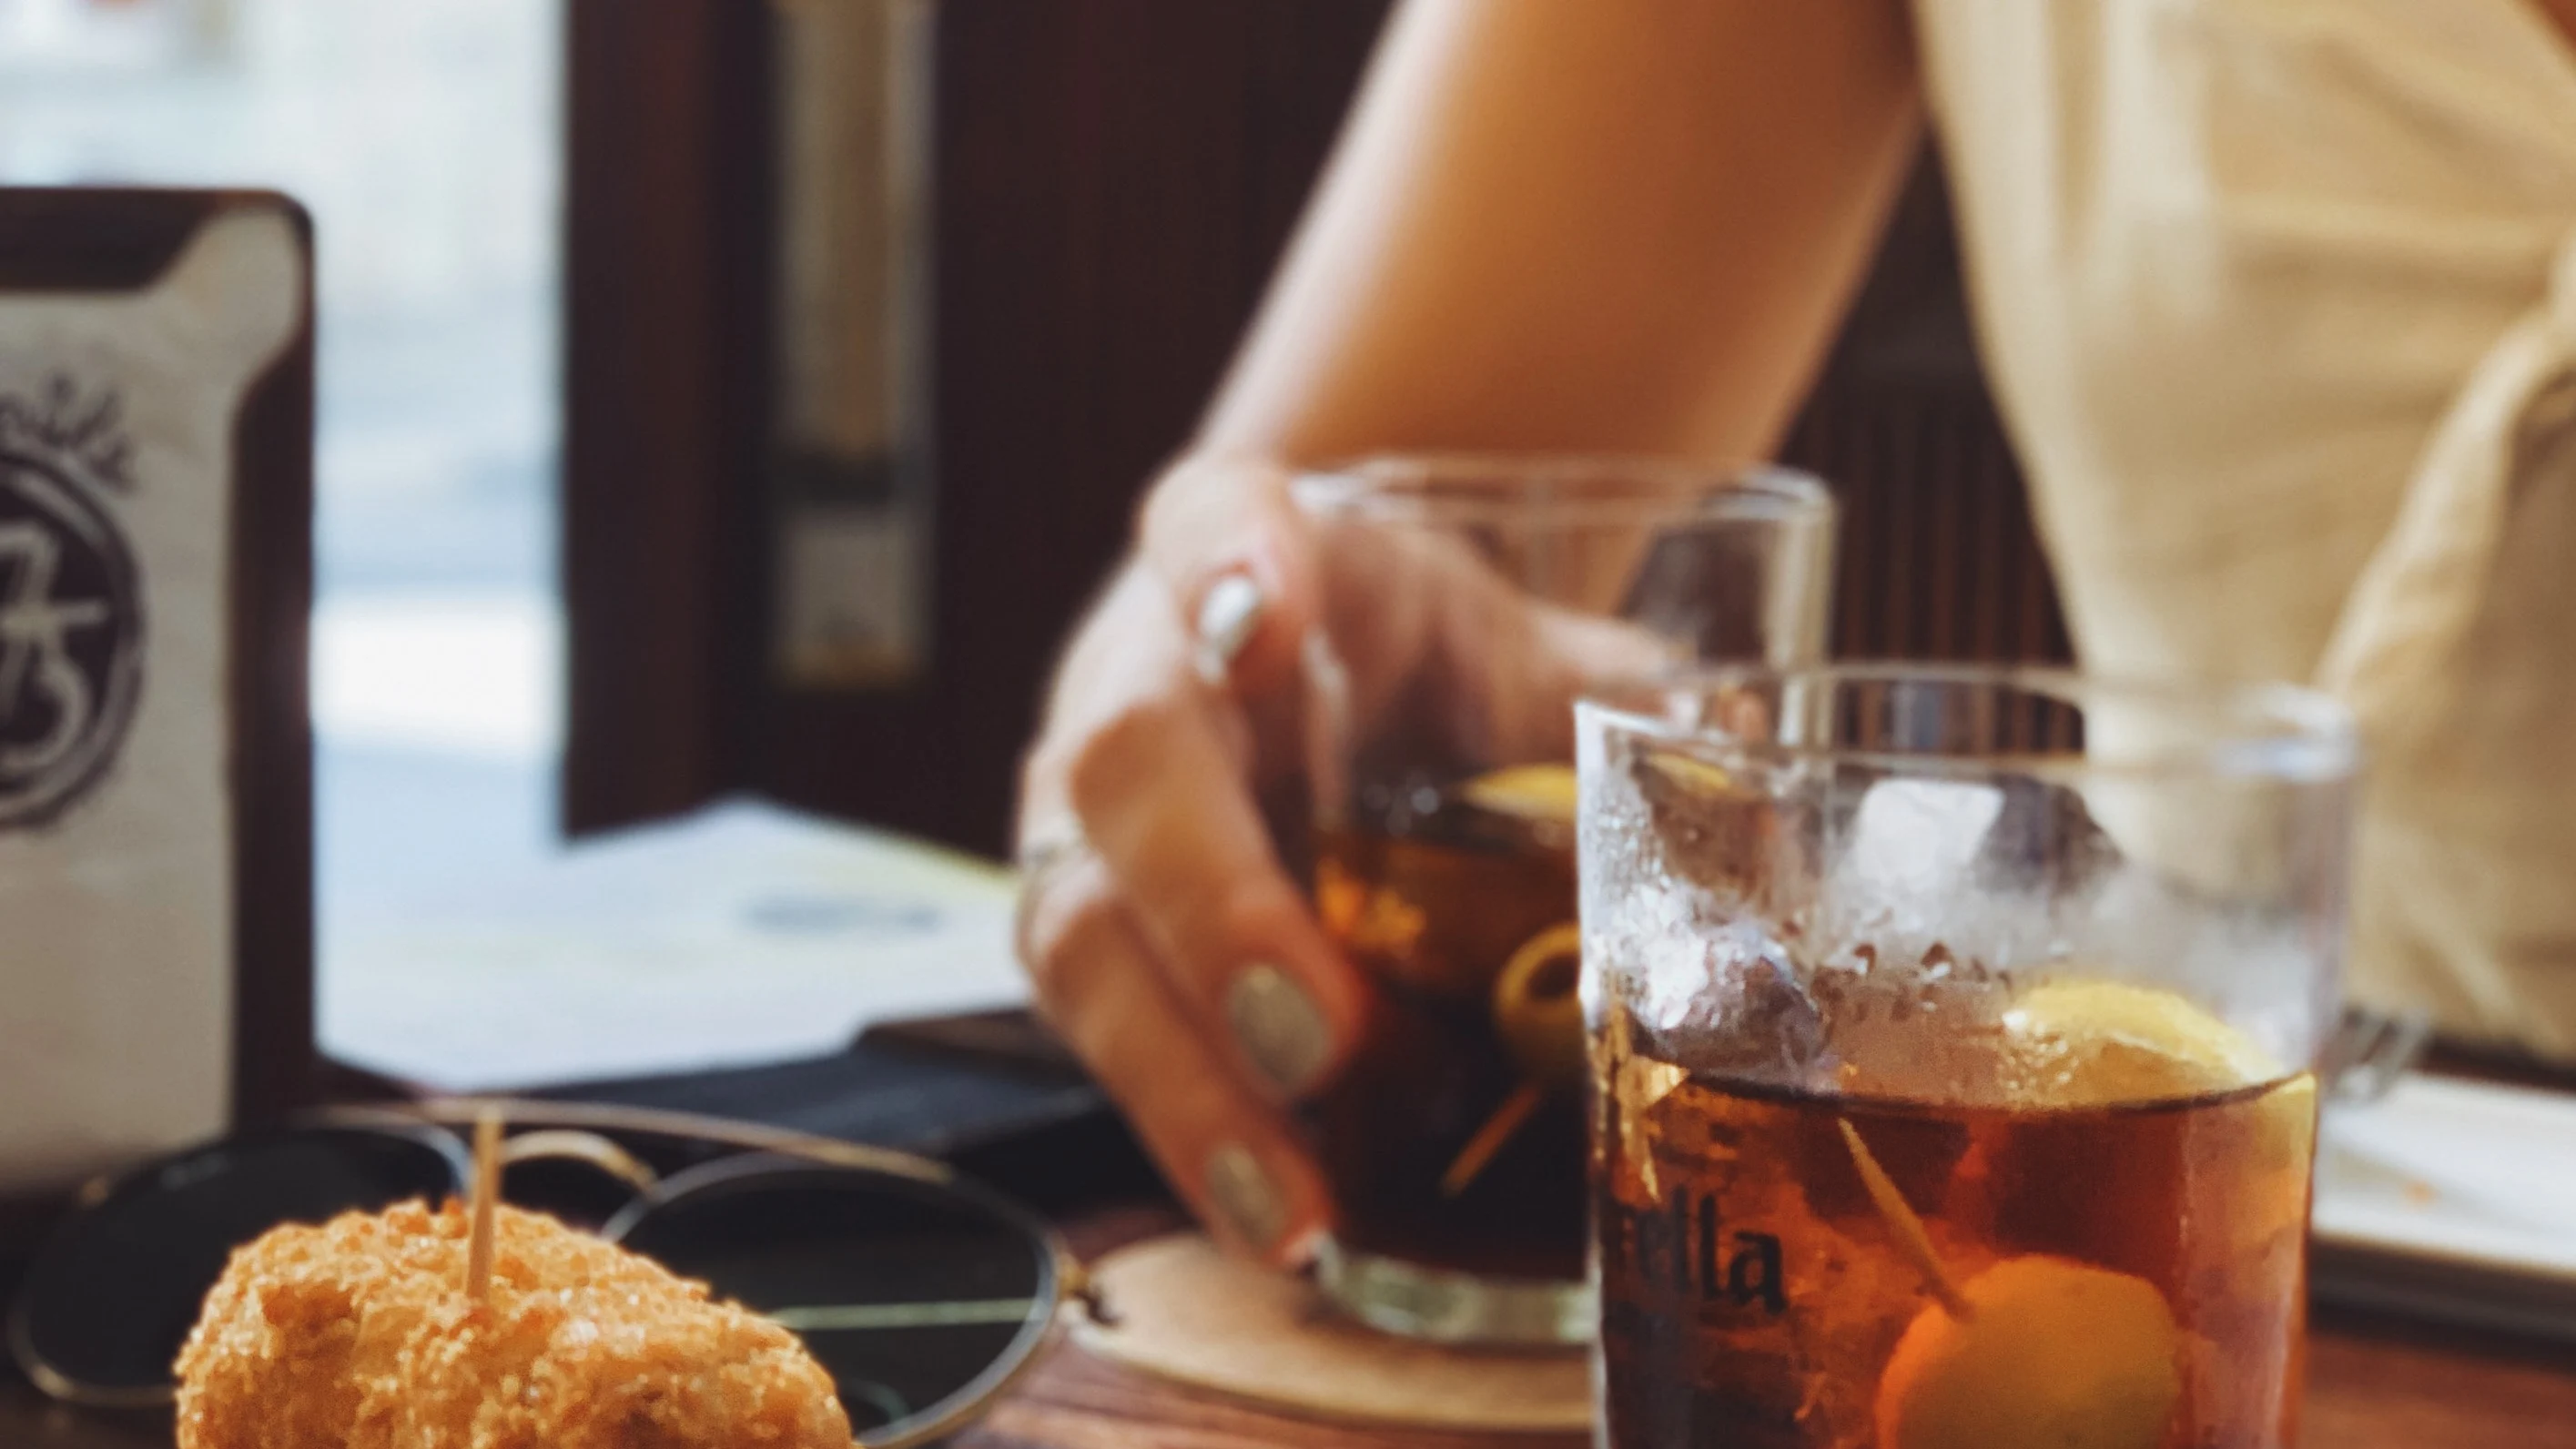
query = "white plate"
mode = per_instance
[{"x": 2452, "y": 1200}]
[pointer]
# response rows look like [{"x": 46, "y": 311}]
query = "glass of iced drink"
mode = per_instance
[
  {"x": 1484, "y": 595},
  {"x": 1951, "y": 1035}
]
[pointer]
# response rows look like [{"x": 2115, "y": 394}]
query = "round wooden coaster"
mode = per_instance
[{"x": 1187, "y": 1312}]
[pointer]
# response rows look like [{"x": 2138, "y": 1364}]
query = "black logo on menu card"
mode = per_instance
[{"x": 71, "y": 602}]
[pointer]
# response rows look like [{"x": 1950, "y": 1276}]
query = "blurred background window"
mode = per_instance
[{"x": 425, "y": 137}]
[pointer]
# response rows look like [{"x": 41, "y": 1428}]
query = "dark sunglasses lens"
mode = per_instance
[
  {"x": 915, "y": 1296},
  {"x": 113, "y": 1295},
  {"x": 575, "y": 1193}
]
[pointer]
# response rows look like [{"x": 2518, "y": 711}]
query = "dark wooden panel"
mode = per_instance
[
  {"x": 1115, "y": 179},
  {"x": 1939, "y": 557},
  {"x": 665, "y": 340},
  {"x": 94, "y": 239},
  {"x": 276, "y": 1070}
]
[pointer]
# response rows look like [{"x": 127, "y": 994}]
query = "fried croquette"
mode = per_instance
[{"x": 359, "y": 1334}]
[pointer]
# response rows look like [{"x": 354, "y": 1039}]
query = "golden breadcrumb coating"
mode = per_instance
[{"x": 358, "y": 1334}]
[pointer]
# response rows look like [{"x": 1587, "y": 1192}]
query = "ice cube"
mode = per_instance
[
  {"x": 1728, "y": 1001},
  {"x": 2044, "y": 840},
  {"x": 1912, "y": 838},
  {"x": 1718, "y": 828}
]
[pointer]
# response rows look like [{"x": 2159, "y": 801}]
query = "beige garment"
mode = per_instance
[{"x": 2280, "y": 300}]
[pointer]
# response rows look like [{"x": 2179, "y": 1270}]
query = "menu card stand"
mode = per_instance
[{"x": 156, "y": 836}]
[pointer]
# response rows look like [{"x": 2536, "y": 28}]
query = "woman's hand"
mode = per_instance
[{"x": 1167, "y": 943}]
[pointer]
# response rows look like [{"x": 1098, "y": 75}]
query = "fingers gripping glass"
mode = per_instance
[{"x": 922, "y": 1294}]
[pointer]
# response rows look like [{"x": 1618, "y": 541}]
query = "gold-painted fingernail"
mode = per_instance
[
  {"x": 1228, "y": 614},
  {"x": 1241, "y": 1190},
  {"x": 1283, "y": 1033}
]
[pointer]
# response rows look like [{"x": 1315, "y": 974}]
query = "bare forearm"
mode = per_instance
[{"x": 1620, "y": 225}]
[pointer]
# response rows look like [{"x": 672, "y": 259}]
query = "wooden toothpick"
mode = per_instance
[
  {"x": 1489, "y": 1139},
  {"x": 487, "y": 1197},
  {"x": 1910, "y": 1236}
]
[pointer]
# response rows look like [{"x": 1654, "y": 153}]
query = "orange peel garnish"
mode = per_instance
[
  {"x": 1539, "y": 1020},
  {"x": 1525, "y": 792}
]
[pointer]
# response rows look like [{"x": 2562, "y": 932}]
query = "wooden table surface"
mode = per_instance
[{"x": 2372, "y": 1384}]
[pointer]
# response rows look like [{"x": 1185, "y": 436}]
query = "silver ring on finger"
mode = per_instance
[
  {"x": 1228, "y": 614},
  {"x": 1047, "y": 850}
]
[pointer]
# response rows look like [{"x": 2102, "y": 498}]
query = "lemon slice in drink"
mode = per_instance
[
  {"x": 2050, "y": 1352},
  {"x": 2035, "y": 1350},
  {"x": 1691, "y": 776},
  {"x": 2039, "y": 1349},
  {"x": 2100, "y": 1043},
  {"x": 1525, "y": 792}
]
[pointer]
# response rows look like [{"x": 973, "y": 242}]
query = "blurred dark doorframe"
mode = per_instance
[
  {"x": 665, "y": 279},
  {"x": 1111, "y": 180}
]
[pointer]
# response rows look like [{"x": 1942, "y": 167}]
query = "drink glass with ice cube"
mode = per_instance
[
  {"x": 1438, "y": 731},
  {"x": 1951, "y": 1040}
]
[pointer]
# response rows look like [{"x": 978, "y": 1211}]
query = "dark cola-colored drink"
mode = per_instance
[
  {"x": 1455, "y": 1138},
  {"x": 2112, "y": 1258}
]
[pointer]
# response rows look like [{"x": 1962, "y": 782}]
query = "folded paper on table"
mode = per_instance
[{"x": 739, "y": 935}]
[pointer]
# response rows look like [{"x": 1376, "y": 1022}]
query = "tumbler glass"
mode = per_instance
[
  {"x": 1952, "y": 1040},
  {"x": 1477, "y": 597}
]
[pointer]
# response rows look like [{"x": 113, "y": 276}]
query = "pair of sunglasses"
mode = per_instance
[{"x": 923, "y": 1295}]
